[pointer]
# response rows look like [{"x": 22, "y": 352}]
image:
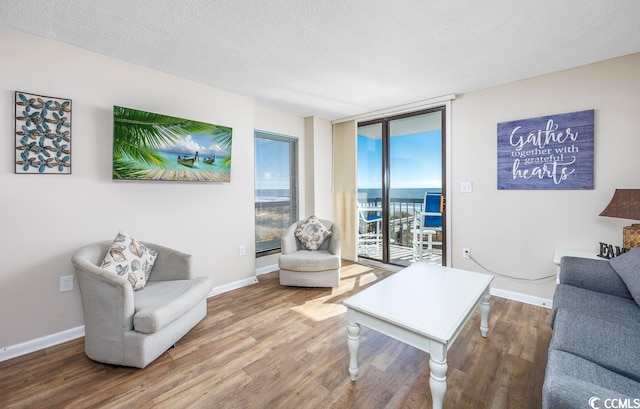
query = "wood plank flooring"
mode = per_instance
[{"x": 267, "y": 346}]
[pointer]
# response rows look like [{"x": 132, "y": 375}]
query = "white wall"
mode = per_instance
[
  {"x": 44, "y": 218},
  {"x": 322, "y": 168},
  {"x": 515, "y": 232},
  {"x": 318, "y": 168}
]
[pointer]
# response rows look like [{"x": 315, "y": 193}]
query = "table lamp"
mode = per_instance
[{"x": 625, "y": 204}]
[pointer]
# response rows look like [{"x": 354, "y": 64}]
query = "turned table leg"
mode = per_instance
[
  {"x": 484, "y": 313},
  {"x": 438, "y": 377},
  {"x": 353, "y": 341}
]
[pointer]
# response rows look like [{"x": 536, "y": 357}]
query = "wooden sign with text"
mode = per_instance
[{"x": 552, "y": 152}]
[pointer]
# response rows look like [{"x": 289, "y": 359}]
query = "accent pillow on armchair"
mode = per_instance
[
  {"x": 312, "y": 233},
  {"x": 302, "y": 266},
  {"x": 129, "y": 258}
]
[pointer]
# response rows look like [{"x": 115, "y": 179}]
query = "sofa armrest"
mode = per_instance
[
  {"x": 590, "y": 274},
  {"x": 170, "y": 265}
]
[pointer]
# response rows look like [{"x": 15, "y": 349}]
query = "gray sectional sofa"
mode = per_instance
[{"x": 594, "y": 355}]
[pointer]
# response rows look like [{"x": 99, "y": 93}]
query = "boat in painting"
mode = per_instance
[{"x": 187, "y": 161}]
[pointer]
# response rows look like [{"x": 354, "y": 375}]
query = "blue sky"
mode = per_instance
[
  {"x": 272, "y": 164},
  {"x": 416, "y": 161}
]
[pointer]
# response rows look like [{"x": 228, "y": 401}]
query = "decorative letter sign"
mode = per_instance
[{"x": 549, "y": 152}]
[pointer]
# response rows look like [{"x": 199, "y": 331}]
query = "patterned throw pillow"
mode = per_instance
[
  {"x": 312, "y": 233},
  {"x": 130, "y": 258}
]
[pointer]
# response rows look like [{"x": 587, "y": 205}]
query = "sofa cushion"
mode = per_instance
[
  {"x": 305, "y": 260},
  {"x": 570, "y": 381},
  {"x": 604, "y": 306},
  {"x": 162, "y": 302},
  {"x": 627, "y": 266},
  {"x": 128, "y": 257},
  {"x": 312, "y": 233},
  {"x": 611, "y": 345}
]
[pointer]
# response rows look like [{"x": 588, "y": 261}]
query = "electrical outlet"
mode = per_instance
[
  {"x": 466, "y": 187},
  {"x": 241, "y": 250},
  {"x": 66, "y": 283},
  {"x": 466, "y": 252}
]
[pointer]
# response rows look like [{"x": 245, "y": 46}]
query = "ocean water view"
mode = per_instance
[
  {"x": 400, "y": 193},
  {"x": 282, "y": 195},
  {"x": 402, "y": 199},
  {"x": 272, "y": 195}
]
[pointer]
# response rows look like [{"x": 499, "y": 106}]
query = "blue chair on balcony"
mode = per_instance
[{"x": 428, "y": 222}]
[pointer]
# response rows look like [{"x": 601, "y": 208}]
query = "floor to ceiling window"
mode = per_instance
[
  {"x": 276, "y": 189},
  {"x": 400, "y": 188}
]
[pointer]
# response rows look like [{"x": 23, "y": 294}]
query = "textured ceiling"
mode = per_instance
[{"x": 337, "y": 58}]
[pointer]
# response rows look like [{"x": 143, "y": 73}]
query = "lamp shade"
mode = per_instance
[{"x": 625, "y": 204}]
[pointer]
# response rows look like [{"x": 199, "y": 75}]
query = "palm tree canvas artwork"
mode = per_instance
[{"x": 150, "y": 146}]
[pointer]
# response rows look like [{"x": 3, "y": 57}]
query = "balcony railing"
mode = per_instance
[
  {"x": 402, "y": 213},
  {"x": 273, "y": 219}
]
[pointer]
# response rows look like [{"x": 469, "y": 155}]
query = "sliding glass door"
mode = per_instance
[
  {"x": 400, "y": 188},
  {"x": 370, "y": 188}
]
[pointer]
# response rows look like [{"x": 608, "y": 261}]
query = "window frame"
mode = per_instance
[{"x": 293, "y": 186}]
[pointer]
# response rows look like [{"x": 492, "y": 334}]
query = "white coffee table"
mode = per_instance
[{"x": 425, "y": 306}]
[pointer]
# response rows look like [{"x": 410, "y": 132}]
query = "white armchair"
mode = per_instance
[
  {"x": 310, "y": 268},
  {"x": 133, "y": 328}
]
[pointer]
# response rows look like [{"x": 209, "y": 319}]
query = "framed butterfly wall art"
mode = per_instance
[{"x": 42, "y": 134}]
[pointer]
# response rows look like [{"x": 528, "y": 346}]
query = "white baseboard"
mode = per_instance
[
  {"x": 37, "y": 344},
  {"x": 232, "y": 286},
  {"x": 266, "y": 269},
  {"x": 527, "y": 299}
]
